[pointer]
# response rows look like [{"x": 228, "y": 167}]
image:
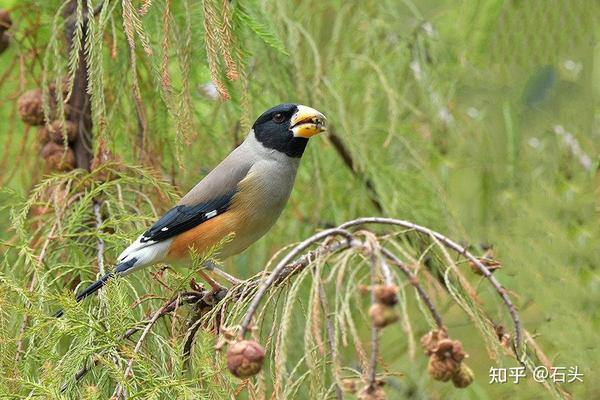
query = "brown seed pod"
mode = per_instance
[
  {"x": 430, "y": 340},
  {"x": 43, "y": 135},
  {"x": 30, "y": 107},
  {"x": 463, "y": 377},
  {"x": 52, "y": 88},
  {"x": 445, "y": 359},
  {"x": 4, "y": 41},
  {"x": 450, "y": 350},
  {"x": 386, "y": 294},
  {"x": 56, "y": 157},
  {"x": 382, "y": 315},
  {"x": 245, "y": 358},
  {"x": 5, "y": 20},
  {"x": 54, "y": 131},
  {"x": 440, "y": 370}
]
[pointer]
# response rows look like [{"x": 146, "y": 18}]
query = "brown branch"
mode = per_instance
[
  {"x": 346, "y": 156},
  {"x": 274, "y": 276},
  {"x": 372, "y": 371},
  {"x": 80, "y": 102},
  {"x": 414, "y": 281}
]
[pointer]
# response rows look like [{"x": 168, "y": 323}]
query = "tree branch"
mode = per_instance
[
  {"x": 461, "y": 251},
  {"x": 346, "y": 156},
  {"x": 282, "y": 266},
  {"x": 80, "y": 102}
]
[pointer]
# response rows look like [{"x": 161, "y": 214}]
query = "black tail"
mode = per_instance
[{"x": 94, "y": 287}]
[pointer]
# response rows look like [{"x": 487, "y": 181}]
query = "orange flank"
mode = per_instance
[{"x": 204, "y": 236}]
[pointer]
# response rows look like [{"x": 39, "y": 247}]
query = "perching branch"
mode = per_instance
[{"x": 283, "y": 264}]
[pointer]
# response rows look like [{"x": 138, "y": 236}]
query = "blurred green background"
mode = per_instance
[{"x": 479, "y": 118}]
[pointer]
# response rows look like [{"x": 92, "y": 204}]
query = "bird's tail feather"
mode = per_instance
[{"x": 94, "y": 287}]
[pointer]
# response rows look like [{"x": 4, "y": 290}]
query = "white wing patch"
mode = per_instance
[
  {"x": 133, "y": 247},
  {"x": 210, "y": 214}
]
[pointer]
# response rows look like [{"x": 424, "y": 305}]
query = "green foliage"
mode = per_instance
[{"x": 464, "y": 116}]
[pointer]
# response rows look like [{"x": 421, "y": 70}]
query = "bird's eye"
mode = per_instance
[{"x": 279, "y": 118}]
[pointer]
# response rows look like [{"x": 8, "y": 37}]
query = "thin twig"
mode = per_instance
[
  {"x": 281, "y": 267},
  {"x": 330, "y": 337},
  {"x": 372, "y": 372},
  {"x": 212, "y": 266},
  {"x": 414, "y": 281},
  {"x": 129, "y": 370},
  {"x": 346, "y": 156}
]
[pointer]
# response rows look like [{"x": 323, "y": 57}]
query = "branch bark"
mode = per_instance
[{"x": 79, "y": 103}]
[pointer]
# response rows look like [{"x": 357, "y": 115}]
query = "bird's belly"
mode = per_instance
[
  {"x": 250, "y": 232},
  {"x": 254, "y": 221}
]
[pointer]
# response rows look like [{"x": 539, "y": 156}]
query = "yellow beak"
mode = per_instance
[{"x": 307, "y": 122}]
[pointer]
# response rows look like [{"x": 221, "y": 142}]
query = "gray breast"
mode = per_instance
[{"x": 263, "y": 195}]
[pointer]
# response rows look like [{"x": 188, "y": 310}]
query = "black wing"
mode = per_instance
[{"x": 182, "y": 218}]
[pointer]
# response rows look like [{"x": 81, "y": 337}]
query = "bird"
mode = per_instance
[{"x": 240, "y": 199}]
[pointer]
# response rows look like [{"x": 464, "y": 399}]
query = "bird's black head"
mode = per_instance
[{"x": 287, "y": 127}]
